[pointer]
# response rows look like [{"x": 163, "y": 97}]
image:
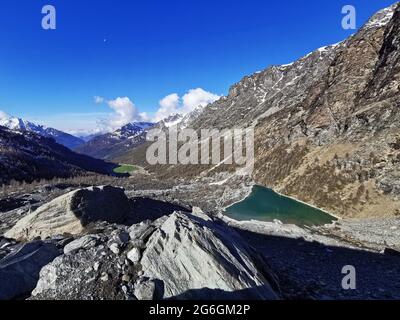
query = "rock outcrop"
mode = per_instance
[{"x": 72, "y": 212}]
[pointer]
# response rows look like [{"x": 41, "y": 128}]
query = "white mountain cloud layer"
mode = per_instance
[
  {"x": 173, "y": 104},
  {"x": 125, "y": 111},
  {"x": 122, "y": 111}
]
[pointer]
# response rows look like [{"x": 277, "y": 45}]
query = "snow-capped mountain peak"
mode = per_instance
[
  {"x": 172, "y": 120},
  {"x": 132, "y": 129},
  {"x": 110, "y": 144},
  {"x": 18, "y": 124},
  {"x": 181, "y": 120},
  {"x": 12, "y": 123},
  {"x": 382, "y": 17}
]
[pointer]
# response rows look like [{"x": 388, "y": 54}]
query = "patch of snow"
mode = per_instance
[
  {"x": 219, "y": 183},
  {"x": 172, "y": 120},
  {"x": 381, "y": 18}
]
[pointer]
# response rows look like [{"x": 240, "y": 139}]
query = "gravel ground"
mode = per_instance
[
  {"x": 308, "y": 263},
  {"x": 376, "y": 234},
  {"x": 311, "y": 270}
]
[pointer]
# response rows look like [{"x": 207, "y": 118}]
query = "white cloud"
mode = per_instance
[
  {"x": 173, "y": 104},
  {"x": 125, "y": 111},
  {"x": 168, "y": 105},
  {"x": 197, "y": 97},
  {"x": 98, "y": 100},
  {"x": 144, "y": 117}
]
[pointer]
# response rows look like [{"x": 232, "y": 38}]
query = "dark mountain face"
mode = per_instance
[
  {"x": 63, "y": 138},
  {"x": 326, "y": 126},
  {"x": 133, "y": 129},
  {"x": 26, "y": 156},
  {"x": 111, "y": 145},
  {"x": 385, "y": 82}
]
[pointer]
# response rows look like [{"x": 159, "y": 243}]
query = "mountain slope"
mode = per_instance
[
  {"x": 326, "y": 126},
  {"x": 63, "y": 138},
  {"x": 333, "y": 147},
  {"x": 110, "y": 145},
  {"x": 338, "y": 144},
  {"x": 28, "y": 156}
]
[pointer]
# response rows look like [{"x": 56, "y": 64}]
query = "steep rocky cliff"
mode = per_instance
[{"x": 338, "y": 147}]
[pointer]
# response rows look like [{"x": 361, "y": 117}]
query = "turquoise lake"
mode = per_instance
[{"x": 266, "y": 205}]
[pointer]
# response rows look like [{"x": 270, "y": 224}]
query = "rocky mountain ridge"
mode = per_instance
[
  {"x": 110, "y": 145},
  {"x": 22, "y": 125}
]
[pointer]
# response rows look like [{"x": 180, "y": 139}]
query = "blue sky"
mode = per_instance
[{"x": 147, "y": 50}]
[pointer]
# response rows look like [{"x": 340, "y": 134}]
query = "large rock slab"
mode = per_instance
[
  {"x": 197, "y": 258},
  {"x": 70, "y": 213},
  {"x": 19, "y": 271},
  {"x": 88, "y": 241}
]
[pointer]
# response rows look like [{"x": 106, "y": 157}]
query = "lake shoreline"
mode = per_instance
[
  {"x": 302, "y": 222},
  {"x": 308, "y": 204}
]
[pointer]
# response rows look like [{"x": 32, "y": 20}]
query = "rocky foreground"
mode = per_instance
[
  {"x": 83, "y": 245},
  {"x": 96, "y": 243}
]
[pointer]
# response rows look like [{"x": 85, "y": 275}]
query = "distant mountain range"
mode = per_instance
[
  {"x": 101, "y": 145},
  {"x": 115, "y": 144},
  {"x": 110, "y": 145},
  {"x": 28, "y": 156},
  {"x": 60, "y": 137}
]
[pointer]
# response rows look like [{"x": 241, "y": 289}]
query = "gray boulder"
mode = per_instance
[
  {"x": 141, "y": 230},
  {"x": 145, "y": 289},
  {"x": 195, "y": 257},
  {"x": 134, "y": 255},
  {"x": 90, "y": 274},
  {"x": 72, "y": 212},
  {"x": 85, "y": 242}
]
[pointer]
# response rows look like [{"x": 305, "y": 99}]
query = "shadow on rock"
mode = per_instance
[
  {"x": 19, "y": 271},
  {"x": 150, "y": 209},
  {"x": 218, "y": 294}
]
